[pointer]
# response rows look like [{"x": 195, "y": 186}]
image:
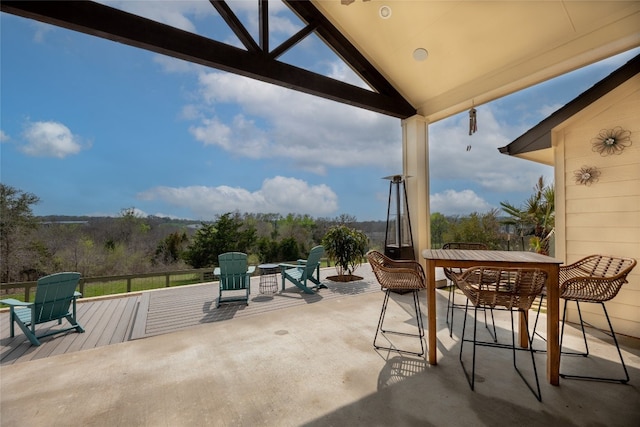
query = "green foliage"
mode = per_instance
[
  {"x": 267, "y": 249},
  {"x": 272, "y": 251},
  {"x": 439, "y": 225},
  {"x": 228, "y": 234},
  {"x": 297, "y": 227},
  {"x": 170, "y": 249},
  {"x": 16, "y": 222},
  {"x": 482, "y": 228},
  {"x": 536, "y": 217},
  {"x": 288, "y": 249},
  {"x": 346, "y": 247},
  {"x": 199, "y": 253},
  {"x": 130, "y": 225}
]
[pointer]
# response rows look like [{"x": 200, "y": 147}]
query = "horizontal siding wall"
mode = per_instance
[{"x": 604, "y": 217}]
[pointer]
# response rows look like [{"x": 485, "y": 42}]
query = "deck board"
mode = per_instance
[
  {"x": 145, "y": 314},
  {"x": 101, "y": 319}
]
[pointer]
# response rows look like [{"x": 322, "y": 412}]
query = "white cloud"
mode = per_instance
[
  {"x": 278, "y": 195},
  {"x": 49, "y": 139},
  {"x": 451, "y": 202},
  {"x": 547, "y": 110},
  {"x": 41, "y": 30},
  {"x": 303, "y": 128},
  {"x": 4, "y": 137},
  {"x": 173, "y": 13},
  {"x": 213, "y": 132},
  {"x": 341, "y": 71},
  {"x": 483, "y": 163},
  {"x": 174, "y": 65}
]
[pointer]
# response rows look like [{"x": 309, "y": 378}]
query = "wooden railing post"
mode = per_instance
[
  {"x": 128, "y": 284},
  {"x": 167, "y": 282}
]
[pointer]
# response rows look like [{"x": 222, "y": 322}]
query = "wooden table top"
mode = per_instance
[{"x": 487, "y": 256}]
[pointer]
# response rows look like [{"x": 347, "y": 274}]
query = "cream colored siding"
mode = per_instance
[{"x": 603, "y": 218}]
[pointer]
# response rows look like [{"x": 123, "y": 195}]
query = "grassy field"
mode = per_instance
[
  {"x": 137, "y": 285},
  {"x": 97, "y": 289}
]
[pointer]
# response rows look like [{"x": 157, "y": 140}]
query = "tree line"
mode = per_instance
[{"x": 31, "y": 246}]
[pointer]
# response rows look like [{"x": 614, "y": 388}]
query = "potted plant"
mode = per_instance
[{"x": 346, "y": 247}]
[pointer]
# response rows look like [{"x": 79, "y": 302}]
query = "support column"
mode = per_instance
[{"x": 415, "y": 166}]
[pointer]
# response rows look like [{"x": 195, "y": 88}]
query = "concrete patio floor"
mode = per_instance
[{"x": 313, "y": 365}]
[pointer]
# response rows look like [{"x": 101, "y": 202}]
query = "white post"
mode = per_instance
[{"x": 415, "y": 166}]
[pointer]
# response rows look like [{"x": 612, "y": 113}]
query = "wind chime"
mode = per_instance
[{"x": 473, "y": 124}]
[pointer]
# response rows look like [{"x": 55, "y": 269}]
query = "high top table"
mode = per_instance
[{"x": 456, "y": 258}]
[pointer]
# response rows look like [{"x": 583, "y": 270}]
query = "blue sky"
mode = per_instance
[{"x": 93, "y": 127}]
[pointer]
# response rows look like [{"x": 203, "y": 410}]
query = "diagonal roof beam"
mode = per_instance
[
  {"x": 343, "y": 48},
  {"x": 236, "y": 26},
  {"x": 103, "y": 21}
]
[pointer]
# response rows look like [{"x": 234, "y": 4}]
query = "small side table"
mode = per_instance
[{"x": 268, "y": 278}]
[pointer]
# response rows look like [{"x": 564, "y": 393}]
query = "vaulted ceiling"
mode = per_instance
[
  {"x": 481, "y": 50},
  {"x": 475, "y": 51}
]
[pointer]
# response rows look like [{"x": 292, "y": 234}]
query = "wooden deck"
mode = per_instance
[{"x": 134, "y": 316}]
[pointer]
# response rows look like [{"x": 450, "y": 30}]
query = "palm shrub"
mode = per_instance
[
  {"x": 537, "y": 216},
  {"x": 346, "y": 247}
]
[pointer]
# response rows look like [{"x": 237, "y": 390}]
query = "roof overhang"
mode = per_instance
[{"x": 536, "y": 143}]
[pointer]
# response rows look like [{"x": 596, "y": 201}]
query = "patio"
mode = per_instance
[{"x": 289, "y": 359}]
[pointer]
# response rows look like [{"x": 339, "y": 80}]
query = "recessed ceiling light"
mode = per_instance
[
  {"x": 420, "y": 54},
  {"x": 385, "y": 12}
]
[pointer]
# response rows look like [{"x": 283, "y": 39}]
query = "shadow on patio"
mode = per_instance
[{"x": 309, "y": 364}]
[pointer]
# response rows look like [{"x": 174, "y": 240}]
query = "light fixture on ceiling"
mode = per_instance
[
  {"x": 384, "y": 11},
  {"x": 420, "y": 54}
]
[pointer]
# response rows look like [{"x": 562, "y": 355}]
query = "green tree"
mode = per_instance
[
  {"x": 267, "y": 249},
  {"x": 347, "y": 247},
  {"x": 439, "y": 225},
  {"x": 298, "y": 227},
  {"x": 483, "y": 228},
  {"x": 16, "y": 222},
  {"x": 289, "y": 249},
  {"x": 536, "y": 217},
  {"x": 199, "y": 253},
  {"x": 130, "y": 226},
  {"x": 227, "y": 235},
  {"x": 170, "y": 249}
]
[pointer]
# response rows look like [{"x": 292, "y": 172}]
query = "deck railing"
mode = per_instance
[{"x": 123, "y": 283}]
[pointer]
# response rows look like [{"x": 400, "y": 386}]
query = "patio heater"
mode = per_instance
[{"x": 398, "y": 241}]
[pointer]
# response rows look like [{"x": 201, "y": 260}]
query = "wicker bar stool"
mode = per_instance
[
  {"x": 398, "y": 275},
  {"x": 511, "y": 289},
  {"x": 449, "y": 273},
  {"x": 594, "y": 279}
]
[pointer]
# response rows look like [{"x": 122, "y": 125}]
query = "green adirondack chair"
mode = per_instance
[
  {"x": 55, "y": 294},
  {"x": 234, "y": 276},
  {"x": 304, "y": 271}
]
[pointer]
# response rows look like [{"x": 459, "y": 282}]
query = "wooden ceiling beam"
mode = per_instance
[
  {"x": 343, "y": 47},
  {"x": 236, "y": 26},
  {"x": 106, "y": 22}
]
